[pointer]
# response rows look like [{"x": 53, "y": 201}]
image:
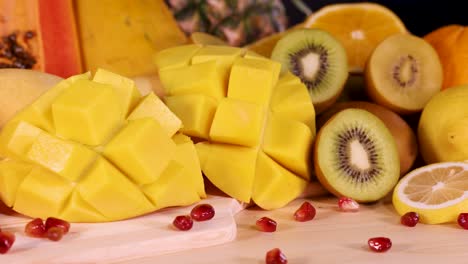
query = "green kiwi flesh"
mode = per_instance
[
  {"x": 318, "y": 59},
  {"x": 356, "y": 156}
]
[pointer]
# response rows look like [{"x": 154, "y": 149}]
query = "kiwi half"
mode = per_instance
[
  {"x": 403, "y": 134},
  {"x": 355, "y": 155},
  {"x": 403, "y": 73},
  {"x": 318, "y": 59}
]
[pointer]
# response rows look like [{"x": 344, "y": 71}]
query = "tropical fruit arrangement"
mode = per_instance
[{"x": 136, "y": 106}]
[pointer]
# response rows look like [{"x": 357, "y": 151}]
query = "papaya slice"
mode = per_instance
[{"x": 39, "y": 35}]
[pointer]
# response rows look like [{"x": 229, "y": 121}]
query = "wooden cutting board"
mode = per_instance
[{"x": 145, "y": 236}]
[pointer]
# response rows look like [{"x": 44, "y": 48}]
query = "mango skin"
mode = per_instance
[
  {"x": 134, "y": 167},
  {"x": 122, "y": 36}
]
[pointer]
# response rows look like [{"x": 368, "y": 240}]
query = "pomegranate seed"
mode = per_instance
[
  {"x": 463, "y": 220},
  {"x": 410, "y": 219},
  {"x": 305, "y": 213},
  {"x": 275, "y": 256},
  {"x": 55, "y": 233},
  {"x": 35, "y": 228},
  {"x": 55, "y": 222},
  {"x": 379, "y": 244},
  {"x": 202, "y": 212},
  {"x": 347, "y": 204},
  {"x": 6, "y": 241},
  {"x": 183, "y": 222},
  {"x": 266, "y": 224}
]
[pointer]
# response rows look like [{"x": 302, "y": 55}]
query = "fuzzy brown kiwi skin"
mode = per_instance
[
  {"x": 404, "y": 136},
  {"x": 375, "y": 96}
]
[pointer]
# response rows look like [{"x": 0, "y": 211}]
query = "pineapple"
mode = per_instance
[{"x": 238, "y": 22}]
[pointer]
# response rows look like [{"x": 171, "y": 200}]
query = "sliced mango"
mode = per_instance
[
  {"x": 289, "y": 143},
  {"x": 230, "y": 168},
  {"x": 79, "y": 210},
  {"x": 237, "y": 122},
  {"x": 252, "y": 80},
  {"x": 196, "y": 113},
  {"x": 93, "y": 164},
  {"x": 33, "y": 197},
  {"x": 273, "y": 180},
  {"x": 152, "y": 106},
  {"x": 142, "y": 149},
  {"x": 66, "y": 158},
  {"x": 203, "y": 78},
  {"x": 12, "y": 173},
  {"x": 186, "y": 154},
  {"x": 175, "y": 57},
  {"x": 114, "y": 195},
  {"x": 161, "y": 192},
  {"x": 87, "y": 112},
  {"x": 290, "y": 101},
  {"x": 259, "y": 116},
  {"x": 125, "y": 88},
  {"x": 39, "y": 113},
  {"x": 17, "y": 138},
  {"x": 224, "y": 56}
]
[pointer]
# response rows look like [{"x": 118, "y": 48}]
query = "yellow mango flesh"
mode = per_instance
[
  {"x": 237, "y": 122},
  {"x": 195, "y": 111},
  {"x": 125, "y": 88},
  {"x": 39, "y": 112},
  {"x": 12, "y": 173},
  {"x": 66, "y": 158},
  {"x": 108, "y": 168},
  {"x": 203, "y": 78},
  {"x": 152, "y": 106},
  {"x": 255, "y": 137},
  {"x": 16, "y": 138},
  {"x": 137, "y": 150},
  {"x": 186, "y": 154},
  {"x": 87, "y": 112},
  {"x": 175, "y": 57}
]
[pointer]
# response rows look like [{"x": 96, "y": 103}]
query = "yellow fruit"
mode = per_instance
[
  {"x": 91, "y": 164},
  {"x": 122, "y": 36},
  {"x": 442, "y": 129},
  {"x": 21, "y": 87},
  {"x": 360, "y": 27},
  {"x": 206, "y": 39},
  {"x": 437, "y": 192},
  {"x": 255, "y": 132}
]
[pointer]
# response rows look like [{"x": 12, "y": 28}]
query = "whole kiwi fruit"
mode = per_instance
[{"x": 404, "y": 136}]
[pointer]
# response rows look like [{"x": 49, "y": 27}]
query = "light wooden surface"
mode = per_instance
[
  {"x": 150, "y": 235},
  {"x": 332, "y": 237}
]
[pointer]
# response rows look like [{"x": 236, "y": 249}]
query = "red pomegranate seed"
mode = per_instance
[
  {"x": 55, "y": 233},
  {"x": 55, "y": 222},
  {"x": 183, "y": 222},
  {"x": 463, "y": 220},
  {"x": 305, "y": 213},
  {"x": 275, "y": 256},
  {"x": 410, "y": 219},
  {"x": 35, "y": 228},
  {"x": 6, "y": 241},
  {"x": 347, "y": 204},
  {"x": 202, "y": 212},
  {"x": 266, "y": 224},
  {"x": 379, "y": 244}
]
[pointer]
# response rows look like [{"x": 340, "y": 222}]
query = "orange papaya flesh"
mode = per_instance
[{"x": 39, "y": 35}]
